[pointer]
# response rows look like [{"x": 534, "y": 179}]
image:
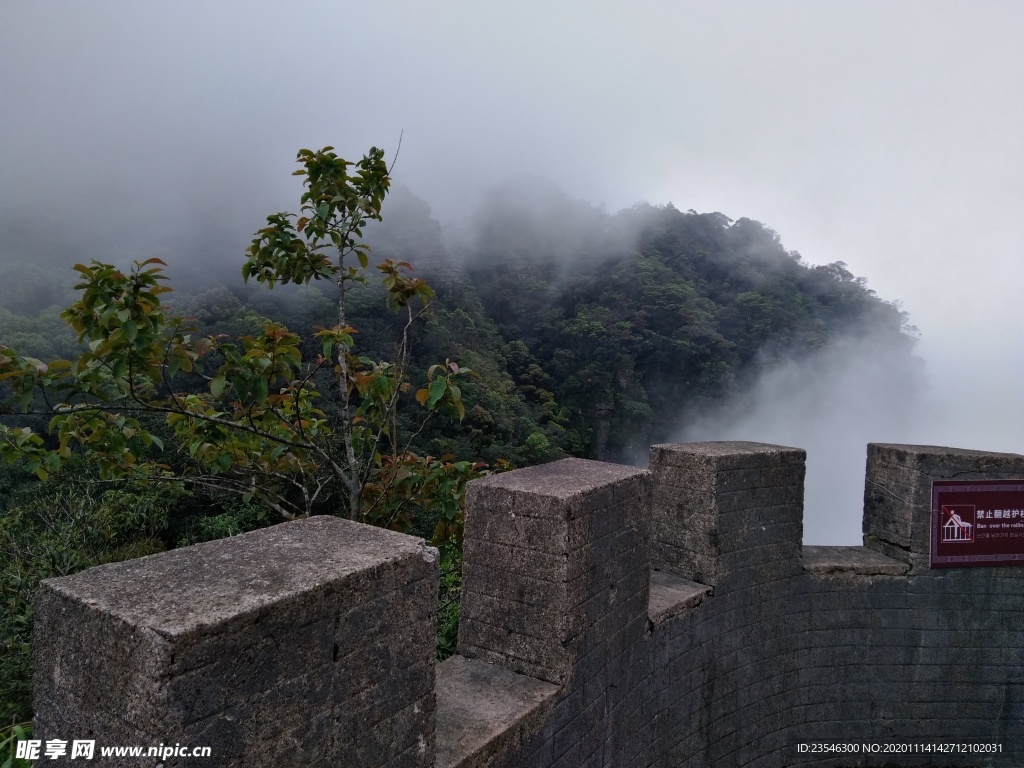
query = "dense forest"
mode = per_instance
[
  {"x": 590, "y": 334},
  {"x": 600, "y": 334}
]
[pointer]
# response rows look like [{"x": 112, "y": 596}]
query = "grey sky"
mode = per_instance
[{"x": 889, "y": 135}]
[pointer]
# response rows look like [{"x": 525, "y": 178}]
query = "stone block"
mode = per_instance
[
  {"x": 259, "y": 646},
  {"x": 581, "y": 527},
  {"x": 897, "y": 492},
  {"x": 719, "y": 507}
]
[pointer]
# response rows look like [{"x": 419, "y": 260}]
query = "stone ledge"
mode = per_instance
[
  {"x": 562, "y": 480},
  {"x": 187, "y": 591},
  {"x": 725, "y": 455},
  {"x": 858, "y": 561},
  {"x": 484, "y": 709},
  {"x": 671, "y": 595}
]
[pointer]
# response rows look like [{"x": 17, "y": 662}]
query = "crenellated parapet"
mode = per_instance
[
  {"x": 611, "y": 616},
  {"x": 898, "y": 488},
  {"x": 551, "y": 553},
  {"x": 724, "y": 510},
  {"x": 309, "y": 643}
]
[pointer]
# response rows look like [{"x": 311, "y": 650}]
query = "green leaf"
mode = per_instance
[
  {"x": 437, "y": 389},
  {"x": 260, "y": 390},
  {"x": 241, "y": 387}
]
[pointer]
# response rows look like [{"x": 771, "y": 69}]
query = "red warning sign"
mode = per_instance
[{"x": 977, "y": 523}]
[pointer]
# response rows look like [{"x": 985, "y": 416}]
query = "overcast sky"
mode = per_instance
[{"x": 888, "y": 135}]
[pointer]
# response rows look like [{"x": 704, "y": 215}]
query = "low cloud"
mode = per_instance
[{"x": 858, "y": 389}]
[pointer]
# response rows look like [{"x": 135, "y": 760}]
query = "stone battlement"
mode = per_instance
[{"x": 611, "y": 616}]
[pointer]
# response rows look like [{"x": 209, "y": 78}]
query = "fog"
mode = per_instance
[
  {"x": 886, "y": 135},
  {"x": 857, "y": 390}
]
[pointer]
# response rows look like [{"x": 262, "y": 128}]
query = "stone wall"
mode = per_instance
[
  {"x": 611, "y": 616},
  {"x": 306, "y": 644}
]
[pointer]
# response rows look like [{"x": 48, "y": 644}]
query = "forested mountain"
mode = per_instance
[
  {"x": 590, "y": 335},
  {"x": 593, "y": 334},
  {"x": 597, "y": 333}
]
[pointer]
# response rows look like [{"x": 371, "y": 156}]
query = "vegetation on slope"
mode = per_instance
[{"x": 590, "y": 335}]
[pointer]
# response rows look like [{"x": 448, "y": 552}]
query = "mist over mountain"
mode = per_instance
[
  {"x": 616, "y": 331},
  {"x": 653, "y": 325},
  {"x": 594, "y": 334},
  {"x": 860, "y": 388},
  {"x": 793, "y": 222},
  {"x": 879, "y": 136}
]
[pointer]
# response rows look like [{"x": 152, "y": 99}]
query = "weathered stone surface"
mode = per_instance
[
  {"x": 310, "y": 641},
  {"x": 583, "y": 656},
  {"x": 547, "y": 551},
  {"x": 725, "y": 455},
  {"x": 716, "y": 505},
  {"x": 859, "y": 561},
  {"x": 485, "y": 709},
  {"x": 672, "y": 595}
]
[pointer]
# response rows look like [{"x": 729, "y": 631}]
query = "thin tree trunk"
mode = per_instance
[{"x": 352, "y": 480}]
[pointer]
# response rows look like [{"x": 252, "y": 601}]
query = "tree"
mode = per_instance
[{"x": 269, "y": 417}]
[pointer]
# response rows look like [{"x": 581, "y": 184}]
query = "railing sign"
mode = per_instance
[{"x": 977, "y": 523}]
